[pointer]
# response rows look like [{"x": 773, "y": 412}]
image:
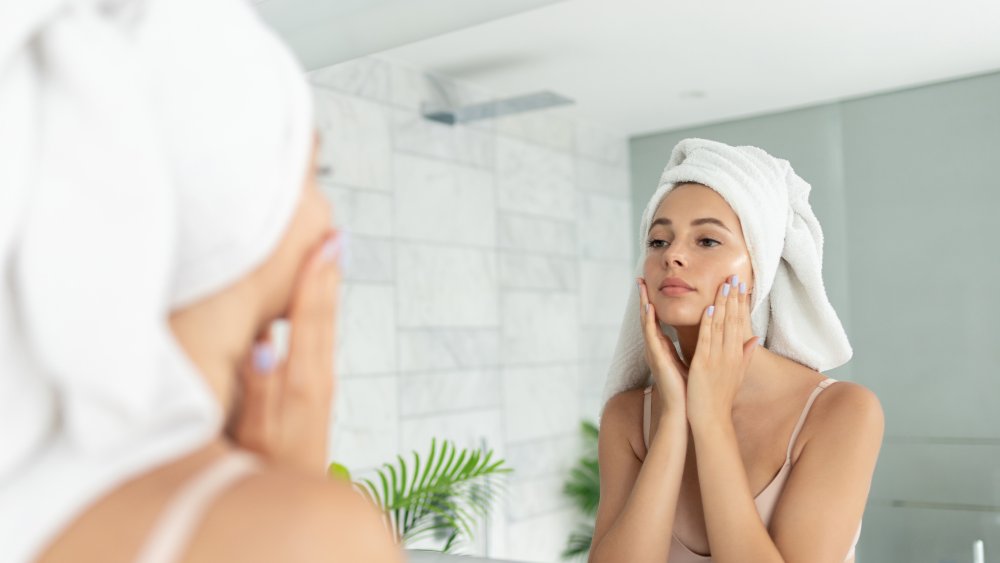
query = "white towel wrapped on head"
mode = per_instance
[{"x": 790, "y": 306}]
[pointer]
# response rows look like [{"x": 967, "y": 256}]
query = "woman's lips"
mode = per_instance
[{"x": 674, "y": 290}]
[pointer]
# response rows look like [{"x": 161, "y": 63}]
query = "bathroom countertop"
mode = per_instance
[{"x": 421, "y": 556}]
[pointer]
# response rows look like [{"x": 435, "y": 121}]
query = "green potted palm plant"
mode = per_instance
[{"x": 439, "y": 496}]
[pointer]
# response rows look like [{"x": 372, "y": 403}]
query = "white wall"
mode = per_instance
[{"x": 489, "y": 267}]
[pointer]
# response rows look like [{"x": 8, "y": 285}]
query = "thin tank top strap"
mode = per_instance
[
  {"x": 805, "y": 412},
  {"x": 173, "y": 531},
  {"x": 646, "y": 408}
]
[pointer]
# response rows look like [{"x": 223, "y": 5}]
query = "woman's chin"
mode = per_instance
[{"x": 678, "y": 318}]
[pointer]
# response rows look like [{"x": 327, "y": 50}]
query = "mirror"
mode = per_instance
[{"x": 491, "y": 257}]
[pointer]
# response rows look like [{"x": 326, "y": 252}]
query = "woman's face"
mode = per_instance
[
  {"x": 695, "y": 239},
  {"x": 307, "y": 230}
]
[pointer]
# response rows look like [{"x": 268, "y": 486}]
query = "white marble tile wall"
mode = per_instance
[{"x": 488, "y": 268}]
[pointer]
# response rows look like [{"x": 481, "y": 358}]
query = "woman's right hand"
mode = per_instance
[
  {"x": 286, "y": 405},
  {"x": 669, "y": 372}
]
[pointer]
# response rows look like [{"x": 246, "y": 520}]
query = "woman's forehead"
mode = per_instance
[{"x": 695, "y": 200}]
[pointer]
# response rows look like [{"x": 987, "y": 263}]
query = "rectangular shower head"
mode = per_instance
[{"x": 493, "y": 109}]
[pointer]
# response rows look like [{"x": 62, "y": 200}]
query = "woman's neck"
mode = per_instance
[
  {"x": 216, "y": 334},
  {"x": 762, "y": 363}
]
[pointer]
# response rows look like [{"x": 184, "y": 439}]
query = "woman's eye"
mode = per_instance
[{"x": 659, "y": 243}]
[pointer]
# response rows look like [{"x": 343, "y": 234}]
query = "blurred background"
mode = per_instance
[{"x": 491, "y": 159}]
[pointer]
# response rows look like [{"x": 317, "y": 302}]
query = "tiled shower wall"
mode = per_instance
[{"x": 489, "y": 265}]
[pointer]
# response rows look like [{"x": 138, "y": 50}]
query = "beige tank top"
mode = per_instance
[
  {"x": 766, "y": 500},
  {"x": 169, "y": 538}
]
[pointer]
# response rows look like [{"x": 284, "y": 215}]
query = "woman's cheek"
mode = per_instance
[{"x": 650, "y": 264}]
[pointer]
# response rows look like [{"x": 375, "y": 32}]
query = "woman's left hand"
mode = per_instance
[
  {"x": 722, "y": 355},
  {"x": 285, "y": 412}
]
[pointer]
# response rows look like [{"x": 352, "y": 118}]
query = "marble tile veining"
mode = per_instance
[
  {"x": 604, "y": 228},
  {"x": 367, "y": 330},
  {"x": 365, "y": 423},
  {"x": 534, "y": 271},
  {"x": 536, "y": 234},
  {"x": 604, "y": 290},
  {"x": 539, "y": 327},
  {"x": 414, "y": 134},
  {"x": 362, "y": 212},
  {"x": 368, "y": 260},
  {"x": 597, "y": 143},
  {"x": 533, "y": 497},
  {"x": 594, "y": 176},
  {"x": 444, "y": 202},
  {"x": 448, "y": 391},
  {"x": 535, "y": 180},
  {"x": 366, "y": 77},
  {"x": 430, "y": 349},
  {"x": 466, "y": 429},
  {"x": 547, "y": 399},
  {"x": 446, "y": 286},
  {"x": 355, "y": 149},
  {"x": 540, "y": 538},
  {"x": 544, "y": 457},
  {"x": 543, "y": 127}
]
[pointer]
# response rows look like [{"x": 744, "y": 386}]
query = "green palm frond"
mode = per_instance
[
  {"x": 443, "y": 496},
  {"x": 583, "y": 487},
  {"x": 578, "y": 544},
  {"x": 584, "y": 483},
  {"x": 590, "y": 432}
]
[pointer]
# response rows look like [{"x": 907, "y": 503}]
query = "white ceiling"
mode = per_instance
[
  {"x": 325, "y": 32},
  {"x": 639, "y": 66}
]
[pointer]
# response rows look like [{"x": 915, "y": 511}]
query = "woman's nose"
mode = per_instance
[{"x": 674, "y": 256}]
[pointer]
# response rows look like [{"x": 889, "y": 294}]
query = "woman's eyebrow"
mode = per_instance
[{"x": 695, "y": 223}]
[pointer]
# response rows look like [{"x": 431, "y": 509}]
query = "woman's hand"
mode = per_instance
[
  {"x": 722, "y": 355},
  {"x": 669, "y": 372},
  {"x": 285, "y": 409}
]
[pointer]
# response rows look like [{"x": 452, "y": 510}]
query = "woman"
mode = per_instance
[
  {"x": 158, "y": 211},
  {"x": 740, "y": 449}
]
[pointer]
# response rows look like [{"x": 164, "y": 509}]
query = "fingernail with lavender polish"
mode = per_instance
[
  {"x": 338, "y": 249},
  {"x": 760, "y": 341},
  {"x": 711, "y": 309},
  {"x": 333, "y": 247},
  {"x": 725, "y": 290},
  {"x": 264, "y": 358},
  {"x": 743, "y": 287}
]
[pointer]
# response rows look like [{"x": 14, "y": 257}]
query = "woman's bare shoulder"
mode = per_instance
[
  {"x": 624, "y": 407},
  {"x": 850, "y": 396},
  {"x": 847, "y": 406},
  {"x": 622, "y": 419},
  {"x": 277, "y": 515}
]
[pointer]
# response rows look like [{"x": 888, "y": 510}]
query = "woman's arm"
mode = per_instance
[
  {"x": 822, "y": 502},
  {"x": 820, "y": 508},
  {"x": 824, "y": 498},
  {"x": 638, "y": 498},
  {"x": 735, "y": 530}
]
